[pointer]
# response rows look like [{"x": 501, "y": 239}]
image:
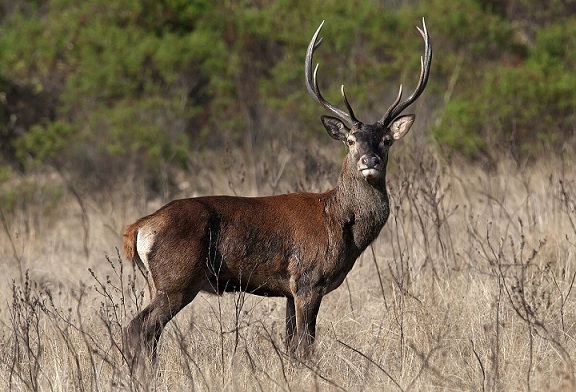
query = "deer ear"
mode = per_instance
[
  {"x": 335, "y": 127},
  {"x": 401, "y": 125}
]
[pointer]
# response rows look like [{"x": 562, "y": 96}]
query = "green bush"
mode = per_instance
[
  {"x": 112, "y": 84},
  {"x": 523, "y": 106},
  {"x": 43, "y": 143}
]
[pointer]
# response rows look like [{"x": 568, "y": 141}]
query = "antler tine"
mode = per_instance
[
  {"x": 349, "y": 107},
  {"x": 396, "y": 108},
  {"x": 394, "y": 104},
  {"x": 312, "y": 82}
]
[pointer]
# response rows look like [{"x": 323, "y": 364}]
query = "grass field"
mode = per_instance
[{"x": 469, "y": 287}]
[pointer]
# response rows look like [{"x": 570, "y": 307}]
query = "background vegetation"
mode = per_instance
[
  {"x": 97, "y": 87},
  {"x": 110, "y": 108}
]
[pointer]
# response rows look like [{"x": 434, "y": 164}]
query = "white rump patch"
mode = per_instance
[{"x": 144, "y": 242}]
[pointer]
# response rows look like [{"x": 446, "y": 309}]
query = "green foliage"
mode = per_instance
[
  {"x": 146, "y": 126},
  {"x": 151, "y": 82},
  {"x": 5, "y": 173},
  {"x": 460, "y": 129},
  {"x": 464, "y": 26},
  {"x": 128, "y": 79},
  {"x": 43, "y": 143},
  {"x": 21, "y": 196},
  {"x": 523, "y": 105}
]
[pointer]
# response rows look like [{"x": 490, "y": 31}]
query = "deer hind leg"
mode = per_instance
[
  {"x": 290, "y": 321},
  {"x": 306, "y": 309},
  {"x": 144, "y": 331}
]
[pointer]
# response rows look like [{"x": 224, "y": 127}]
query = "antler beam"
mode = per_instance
[
  {"x": 396, "y": 108},
  {"x": 312, "y": 83}
]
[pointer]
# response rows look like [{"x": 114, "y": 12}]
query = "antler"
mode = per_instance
[
  {"x": 312, "y": 83},
  {"x": 396, "y": 108}
]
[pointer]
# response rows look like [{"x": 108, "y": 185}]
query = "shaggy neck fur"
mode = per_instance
[{"x": 361, "y": 205}]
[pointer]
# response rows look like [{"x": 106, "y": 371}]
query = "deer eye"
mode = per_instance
[{"x": 350, "y": 142}]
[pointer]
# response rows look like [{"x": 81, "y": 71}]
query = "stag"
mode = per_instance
[{"x": 299, "y": 246}]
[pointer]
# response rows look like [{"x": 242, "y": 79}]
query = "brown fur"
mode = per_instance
[{"x": 130, "y": 242}]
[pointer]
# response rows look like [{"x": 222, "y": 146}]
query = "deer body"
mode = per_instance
[
  {"x": 299, "y": 246},
  {"x": 289, "y": 245}
]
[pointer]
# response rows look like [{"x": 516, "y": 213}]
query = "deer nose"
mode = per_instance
[{"x": 370, "y": 161}]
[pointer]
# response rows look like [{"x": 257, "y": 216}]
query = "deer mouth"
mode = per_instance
[{"x": 370, "y": 173}]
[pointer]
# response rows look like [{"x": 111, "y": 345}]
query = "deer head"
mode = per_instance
[{"x": 368, "y": 143}]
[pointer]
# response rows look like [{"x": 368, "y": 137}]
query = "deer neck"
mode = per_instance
[{"x": 359, "y": 205}]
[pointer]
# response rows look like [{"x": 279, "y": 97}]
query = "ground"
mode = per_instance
[{"x": 468, "y": 287}]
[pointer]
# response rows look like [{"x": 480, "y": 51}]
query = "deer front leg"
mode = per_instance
[{"x": 306, "y": 308}]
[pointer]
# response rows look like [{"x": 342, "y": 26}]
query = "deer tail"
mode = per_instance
[{"x": 130, "y": 251}]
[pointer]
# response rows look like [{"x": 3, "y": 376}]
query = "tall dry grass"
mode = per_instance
[{"x": 470, "y": 286}]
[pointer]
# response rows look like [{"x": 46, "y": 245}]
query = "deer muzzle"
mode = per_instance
[{"x": 370, "y": 165}]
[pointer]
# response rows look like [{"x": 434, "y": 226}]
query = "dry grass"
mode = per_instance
[{"x": 469, "y": 287}]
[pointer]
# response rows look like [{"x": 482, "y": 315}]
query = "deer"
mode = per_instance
[{"x": 299, "y": 246}]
